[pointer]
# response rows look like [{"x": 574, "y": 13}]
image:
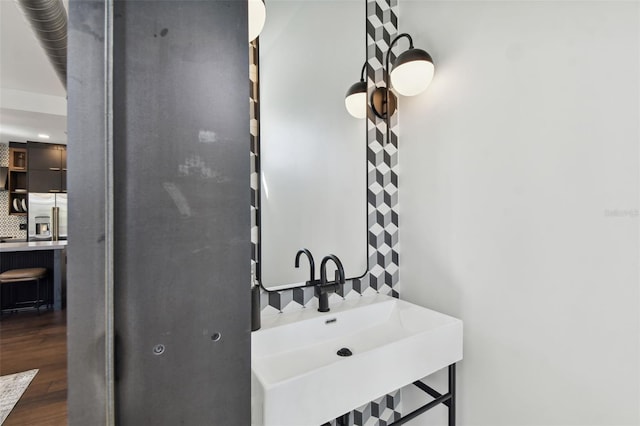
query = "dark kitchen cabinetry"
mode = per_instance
[
  {"x": 14, "y": 295},
  {"x": 45, "y": 181},
  {"x": 47, "y": 167},
  {"x": 17, "y": 180},
  {"x": 43, "y": 156}
]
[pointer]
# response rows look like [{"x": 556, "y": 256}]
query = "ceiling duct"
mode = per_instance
[{"x": 48, "y": 19}]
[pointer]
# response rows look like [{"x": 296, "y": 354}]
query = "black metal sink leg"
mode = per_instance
[
  {"x": 452, "y": 391},
  {"x": 448, "y": 399}
]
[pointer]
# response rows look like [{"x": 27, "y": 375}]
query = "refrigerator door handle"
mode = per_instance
[{"x": 55, "y": 215}]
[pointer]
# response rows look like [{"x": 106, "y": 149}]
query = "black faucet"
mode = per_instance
[
  {"x": 324, "y": 288},
  {"x": 312, "y": 265}
]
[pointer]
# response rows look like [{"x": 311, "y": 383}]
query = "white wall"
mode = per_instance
[{"x": 519, "y": 192}]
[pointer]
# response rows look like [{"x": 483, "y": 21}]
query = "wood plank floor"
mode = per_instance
[{"x": 29, "y": 341}]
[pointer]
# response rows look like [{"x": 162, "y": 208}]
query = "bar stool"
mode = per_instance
[{"x": 23, "y": 275}]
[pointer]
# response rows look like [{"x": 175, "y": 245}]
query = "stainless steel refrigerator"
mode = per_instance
[{"x": 45, "y": 209}]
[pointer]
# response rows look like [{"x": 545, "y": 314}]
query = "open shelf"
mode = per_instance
[{"x": 18, "y": 184}]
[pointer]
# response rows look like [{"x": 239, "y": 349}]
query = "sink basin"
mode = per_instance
[{"x": 298, "y": 379}]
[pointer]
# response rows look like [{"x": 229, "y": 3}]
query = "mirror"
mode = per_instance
[{"x": 313, "y": 160}]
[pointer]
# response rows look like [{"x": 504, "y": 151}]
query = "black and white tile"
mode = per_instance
[
  {"x": 382, "y": 156},
  {"x": 254, "y": 131}
]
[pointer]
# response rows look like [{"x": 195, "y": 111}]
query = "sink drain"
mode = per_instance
[{"x": 344, "y": 352}]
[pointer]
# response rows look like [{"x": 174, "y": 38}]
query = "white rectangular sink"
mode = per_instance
[{"x": 297, "y": 378}]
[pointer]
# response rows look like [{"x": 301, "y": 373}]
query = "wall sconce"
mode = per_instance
[
  {"x": 410, "y": 75},
  {"x": 356, "y": 98},
  {"x": 257, "y": 16}
]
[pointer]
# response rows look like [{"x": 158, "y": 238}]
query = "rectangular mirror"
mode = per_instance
[{"x": 313, "y": 181}]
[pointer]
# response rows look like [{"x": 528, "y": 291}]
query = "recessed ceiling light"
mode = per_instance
[{"x": 43, "y": 136}]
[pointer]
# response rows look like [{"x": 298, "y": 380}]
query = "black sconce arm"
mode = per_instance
[
  {"x": 364, "y": 68},
  {"x": 393, "y": 43},
  {"x": 383, "y": 101},
  {"x": 390, "y": 101}
]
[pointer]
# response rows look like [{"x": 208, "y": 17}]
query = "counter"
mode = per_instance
[
  {"x": 32, "y": 245},
  {"x": 28, "y": 254}
]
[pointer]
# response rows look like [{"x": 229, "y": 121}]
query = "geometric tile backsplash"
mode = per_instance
[{"x": 9, "y": 225}]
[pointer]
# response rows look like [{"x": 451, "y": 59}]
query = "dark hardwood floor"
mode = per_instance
[{"x": 29, "y": 341}]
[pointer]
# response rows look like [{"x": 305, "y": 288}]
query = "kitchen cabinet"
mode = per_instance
[
  {"x": 63, "y": 159},
  {"x": 45, "y": 181},
  {"x": 17, "y": 181},
  {"x": 47, "y": 167},
  {"x": 50, "y": 255},
  {"x": 43, "y": 157}
]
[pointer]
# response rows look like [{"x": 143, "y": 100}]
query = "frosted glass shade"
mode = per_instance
[
  {"x": 412, "y": 72},
  {"x": 257, "y": 16},
  {"x": 356, "y": 100}
]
